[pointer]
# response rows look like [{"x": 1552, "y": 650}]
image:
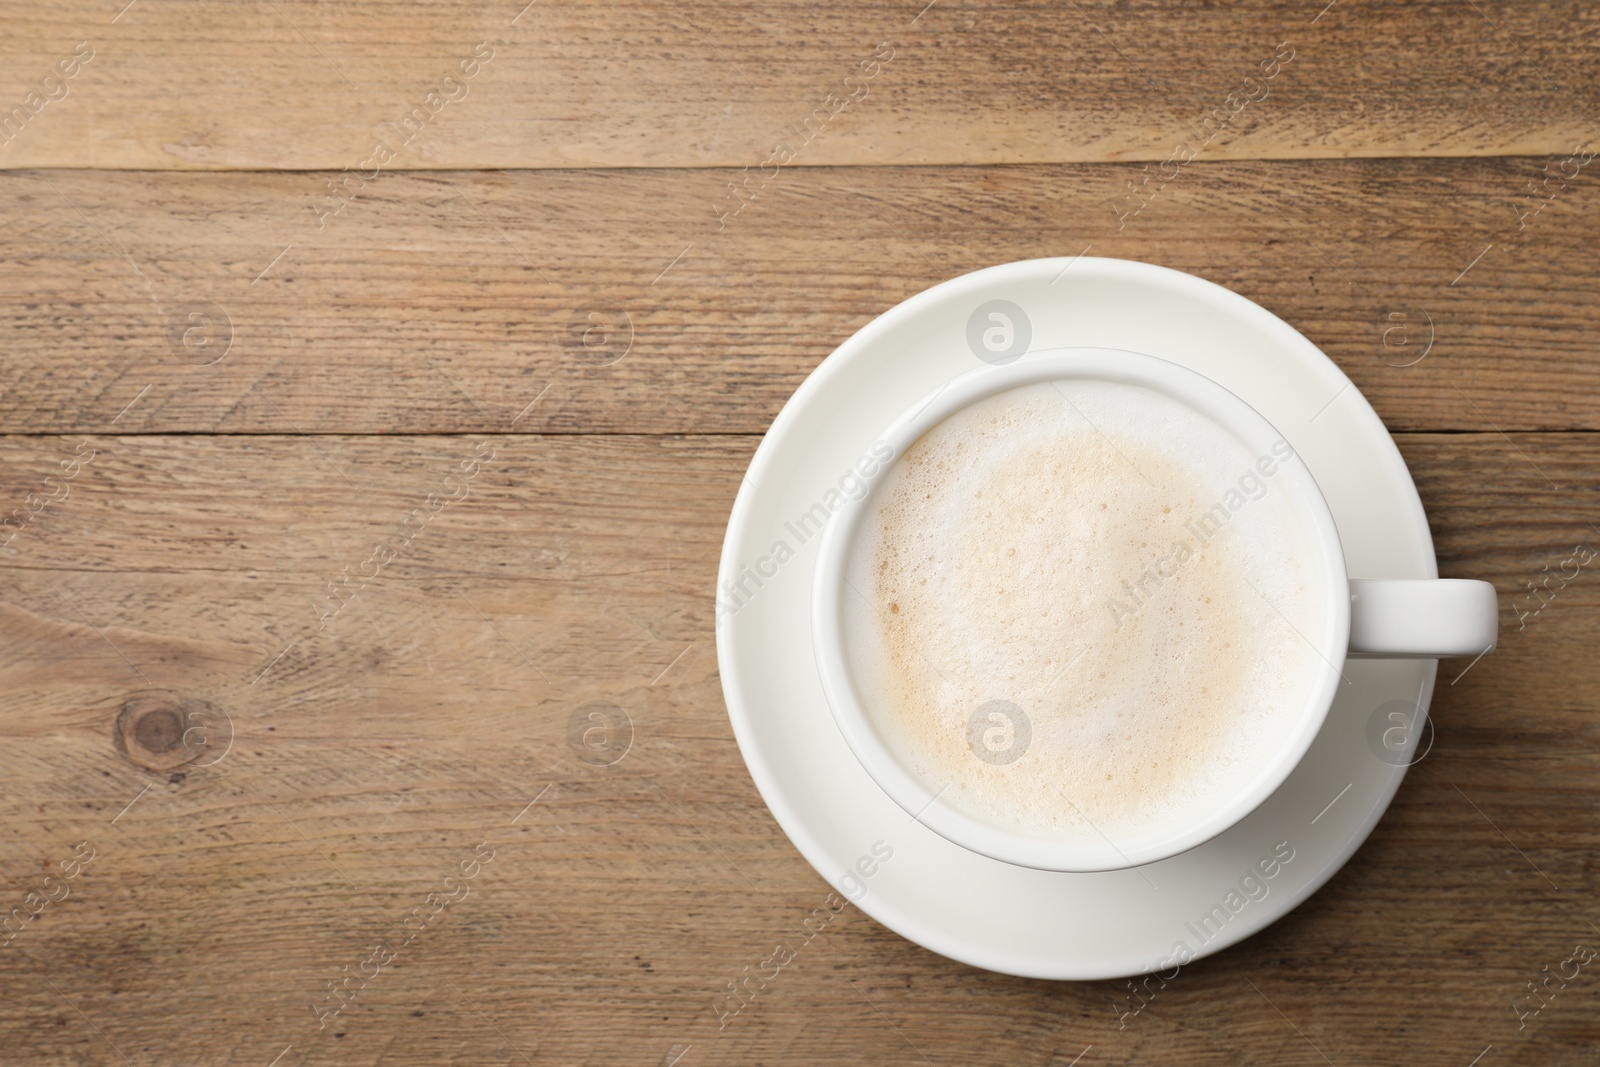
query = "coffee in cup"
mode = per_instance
[
  {"x": 1076, "y": 609},
  {"x": 1098, "y": 611}
]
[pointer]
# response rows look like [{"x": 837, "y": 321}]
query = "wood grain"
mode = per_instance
[
  {"x": 299, "y": 85},
  {"x": 444, "y": 302},
  {"x": 335, "y": 531},
  {"x": 370, "y": 759}
]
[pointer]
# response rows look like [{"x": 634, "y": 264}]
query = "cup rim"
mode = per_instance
[{"x": 1200, "y": 393}]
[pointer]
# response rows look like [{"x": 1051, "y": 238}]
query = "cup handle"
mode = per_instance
[{"x": 1422, "y": 618}]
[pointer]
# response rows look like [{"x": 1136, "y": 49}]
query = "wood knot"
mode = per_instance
[{"x": 163, "y": 732}]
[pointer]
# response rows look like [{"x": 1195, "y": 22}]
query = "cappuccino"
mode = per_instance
[{"x": 1082, "y": 611}]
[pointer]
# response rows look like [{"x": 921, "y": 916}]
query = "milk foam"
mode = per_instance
[{"x": 1110, "y": 562}]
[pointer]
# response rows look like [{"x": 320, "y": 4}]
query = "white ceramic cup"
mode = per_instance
[{"x": 1361, "y": 617}]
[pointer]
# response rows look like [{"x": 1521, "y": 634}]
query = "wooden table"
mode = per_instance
[{"x": 378, "y": 379}]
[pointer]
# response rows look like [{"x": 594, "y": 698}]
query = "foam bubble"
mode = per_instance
[{"x": 1114, "y": 566}]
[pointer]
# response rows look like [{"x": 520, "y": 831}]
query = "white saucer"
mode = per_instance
[{"x": 978, "y": 910}]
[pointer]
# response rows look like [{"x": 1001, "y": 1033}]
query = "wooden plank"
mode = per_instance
[
  {"x": 372, "y": 757},
  {"x": 300, "y": 85},
  {"x": 447, "y": 302}
]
